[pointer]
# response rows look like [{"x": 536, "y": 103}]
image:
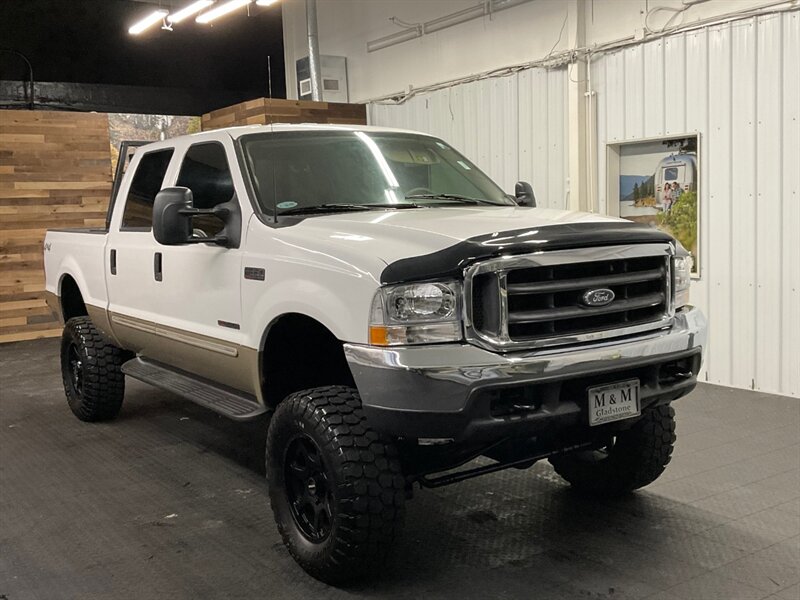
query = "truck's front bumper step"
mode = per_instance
[{"x": 228, "y": 402}]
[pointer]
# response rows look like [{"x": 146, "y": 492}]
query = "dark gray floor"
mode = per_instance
[{"x": 169, "y": 501}]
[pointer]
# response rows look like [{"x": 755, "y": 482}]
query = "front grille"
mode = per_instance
[{"x": 539, "y": 300}]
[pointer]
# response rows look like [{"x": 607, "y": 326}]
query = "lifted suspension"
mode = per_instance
[{"x": 450, "y": 478}]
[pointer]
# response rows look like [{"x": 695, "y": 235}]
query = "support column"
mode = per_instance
[
  {"x": 576, "y": 111},
  {"x": 314, "y": 67}
]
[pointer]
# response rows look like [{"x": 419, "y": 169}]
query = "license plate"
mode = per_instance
[{"x": 614, "y": 402}]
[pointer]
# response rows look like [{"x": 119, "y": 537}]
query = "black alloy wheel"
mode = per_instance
[
  {"x": 308, "y": 488},
  {"x": 75, "y": 369}
]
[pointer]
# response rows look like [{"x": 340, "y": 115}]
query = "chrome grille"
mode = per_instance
[{"x": 537, "y": 300}]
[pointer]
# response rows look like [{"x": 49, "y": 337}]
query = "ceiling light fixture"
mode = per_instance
[
  {"x": 192, "y": 9},
  {"x": 148, "y": 21},
  {"x": 222, "y": 9},
  {"x": 265, "y": 2}
]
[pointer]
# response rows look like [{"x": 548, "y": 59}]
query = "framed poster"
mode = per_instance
[{"x": 657, "y": 184}]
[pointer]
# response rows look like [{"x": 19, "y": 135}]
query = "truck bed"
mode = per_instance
[{"x": 80, "y": 254}]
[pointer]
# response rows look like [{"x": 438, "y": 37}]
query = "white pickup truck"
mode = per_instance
[{"x": 394, "y": 312}]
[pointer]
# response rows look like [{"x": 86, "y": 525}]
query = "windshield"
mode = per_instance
[{"x": 337, "y": 170}]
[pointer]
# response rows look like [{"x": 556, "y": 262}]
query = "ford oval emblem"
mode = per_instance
[{"x": 598, "y": 297}]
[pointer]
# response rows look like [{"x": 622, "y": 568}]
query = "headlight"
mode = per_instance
[
  {"x": 682, "y": 278},
  {"x": 417, "y": 313}
]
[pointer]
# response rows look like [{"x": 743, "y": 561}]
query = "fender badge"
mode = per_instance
[{"x": 255, "y": 273}]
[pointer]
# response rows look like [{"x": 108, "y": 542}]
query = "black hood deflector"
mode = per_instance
[{"x": 450, "y": 262}]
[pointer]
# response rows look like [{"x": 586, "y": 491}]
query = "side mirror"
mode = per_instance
[
  {"x": 173, "y": 210},
  {"x": 172, "y": 223},
  {"x": 523, "y": 194}
]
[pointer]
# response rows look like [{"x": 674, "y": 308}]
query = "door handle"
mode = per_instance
[
  {"x": 157, "y": 266},
  {"x": 113, "y": 261}
]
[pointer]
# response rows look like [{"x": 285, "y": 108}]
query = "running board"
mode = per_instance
[{"x": 227, "y": 402}]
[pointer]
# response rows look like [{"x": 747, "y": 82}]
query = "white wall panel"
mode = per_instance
[
  {"x": 738, "y": 85},
  {"x": 744, "y": 211},
  {"x": 675, "y": 85},
  {"x": 514, "y": 128},
  {"x": 615, "y": 92},
  {"x": 655, "y": 91},
  {"x": 789, "y": 148},
  {"x": 634, "y": 88},
  {"x": 697, "y": 119},
  {"x": 768, "y": 232},
  {"x": 716, "y": 191}
]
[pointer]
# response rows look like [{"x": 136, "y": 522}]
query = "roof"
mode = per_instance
[{"x": 236, "y": 132}]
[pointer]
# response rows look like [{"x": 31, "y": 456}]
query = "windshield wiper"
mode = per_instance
[
  {"x": 453, "y": 197},
  {"x": 340, "y": 207},
  {"x": 320, "y": 208}
]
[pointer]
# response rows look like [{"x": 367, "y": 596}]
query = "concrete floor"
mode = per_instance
[{"x": 169, "y": 501}]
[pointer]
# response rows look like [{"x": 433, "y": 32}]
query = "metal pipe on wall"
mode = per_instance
[
  {"x": 19, "y": 54},
  {"x": 314, "y": 67}
]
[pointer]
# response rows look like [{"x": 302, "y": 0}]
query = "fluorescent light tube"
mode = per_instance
[
  {"x": 148, "y": 21},
  {"x": 192, "y": 9},
  {"x": 222, "y": 9}
]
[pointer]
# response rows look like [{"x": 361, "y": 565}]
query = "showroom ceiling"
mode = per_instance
[{"x": 88, "y": 42}]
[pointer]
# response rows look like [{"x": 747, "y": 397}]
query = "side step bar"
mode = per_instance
[{"x": 226, "y": 401}]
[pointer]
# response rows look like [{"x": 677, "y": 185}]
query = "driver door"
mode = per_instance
[{"x": 199, "y": 285}]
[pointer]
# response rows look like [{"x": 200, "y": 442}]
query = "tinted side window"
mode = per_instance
[
  {"x": 205, "y": 171},
  {"x": 145, "y": 185}
]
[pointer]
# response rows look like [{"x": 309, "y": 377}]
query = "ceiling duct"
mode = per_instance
[{"x": 411, "y": 31}]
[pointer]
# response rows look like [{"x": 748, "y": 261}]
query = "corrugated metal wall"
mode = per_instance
[
  {"x": 738, "y": 85},
  {"x": 514, "y": 128}
]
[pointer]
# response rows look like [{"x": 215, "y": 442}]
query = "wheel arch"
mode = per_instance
[
  {"x": 70, "y": 298},
  {"x": 298, "y": 352}
]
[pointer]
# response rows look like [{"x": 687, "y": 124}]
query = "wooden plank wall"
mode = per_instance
[
  {"x": 263, "y": 111},
  {"x": 55, "y": 171}
]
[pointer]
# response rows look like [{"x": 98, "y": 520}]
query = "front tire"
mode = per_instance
[
  {"x": 633, "y": 459},
  {"x": 91, "y": 369},
  {"x": 336, "y": 487}
]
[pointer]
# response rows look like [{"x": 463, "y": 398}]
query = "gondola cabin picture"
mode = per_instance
[{"x": 658, "y": 186}]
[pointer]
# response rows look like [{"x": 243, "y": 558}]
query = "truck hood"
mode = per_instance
[
  {"x": 410, "y": 232},
  {"x": 446, "y": 225},
  {"x": 395, "y": 236}
]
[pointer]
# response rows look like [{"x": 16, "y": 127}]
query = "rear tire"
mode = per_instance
[
  {"x": 91, "y": 371},
  {"x": 635, "y": 458},
  {"x": 336, "y": 487}
]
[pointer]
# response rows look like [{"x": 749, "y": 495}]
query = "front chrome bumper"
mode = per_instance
[{"x": 441, "y": 379}]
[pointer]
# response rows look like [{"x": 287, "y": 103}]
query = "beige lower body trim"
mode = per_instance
[
  {"x": 229, "y": 364},
  {"x": 197, "y": 341},
  {"x": 54, "y": 304},
  {"x": 99, "y": 317}
]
